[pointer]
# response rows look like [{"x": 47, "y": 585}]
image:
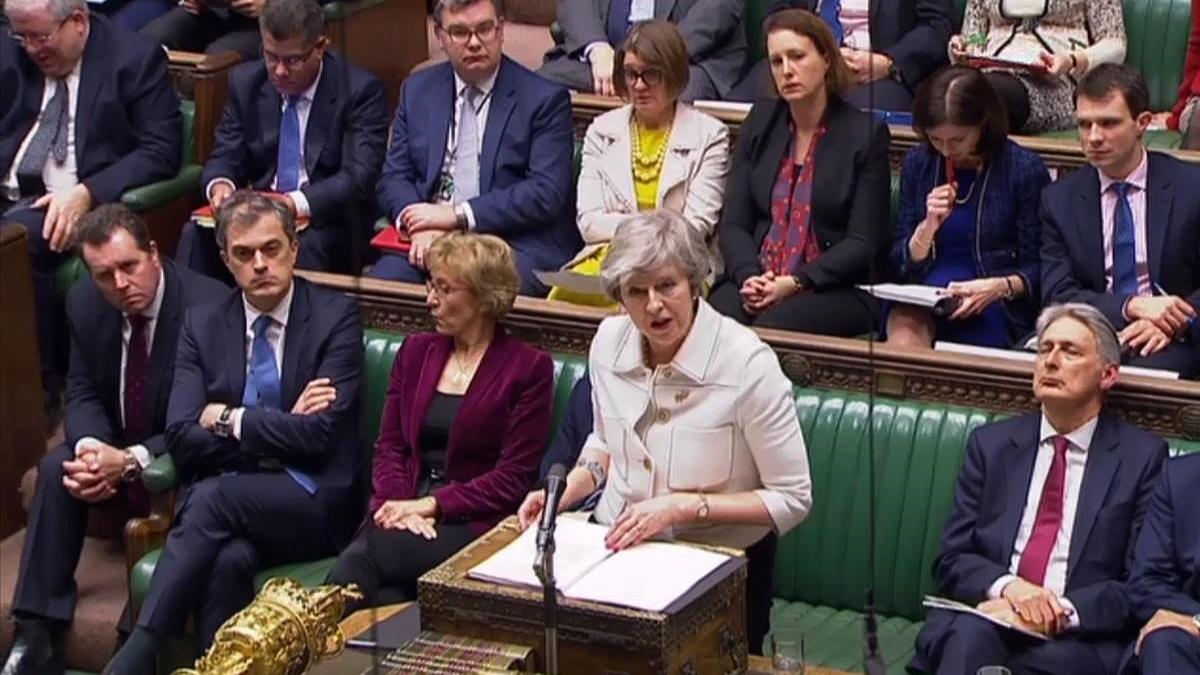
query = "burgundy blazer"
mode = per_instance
[{"x": 497, "y": 440}]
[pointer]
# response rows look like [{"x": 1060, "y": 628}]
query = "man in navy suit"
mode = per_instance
[
  {"x": 1045, "y": 513},
  {"x": 1123, "y": 235},
  {"x": 263, "y": 428},
  {"x": 1164, "y": 587},
  {"x": 484, "y": 145},
  {"x": 87, "y": 111},
  {"x": 124, "y": 323},
  {"x": 303, "y": 122},
  {"x": 890, "y": 48}
]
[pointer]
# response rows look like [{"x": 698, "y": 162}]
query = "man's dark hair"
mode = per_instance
[
  {"x": 1107, "y": 78},
  {"x": 245, "y": 208},
  {"x": 98, "y": 226},
  {"x": 440, "y": 7},
  {"x": 288, "y": 19}
]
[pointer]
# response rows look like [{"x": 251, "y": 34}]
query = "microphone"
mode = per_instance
[{"x": 556, "y": 483}]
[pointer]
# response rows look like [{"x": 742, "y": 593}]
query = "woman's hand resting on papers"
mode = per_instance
[{"x": 641, "y": 521}]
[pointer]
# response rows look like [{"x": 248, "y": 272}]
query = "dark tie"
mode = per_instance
[
  {"x": 137, "y": 363},
  {"x": 1124, "y": 250},
  {"x": 829, "y": 14},
  {"x": 1036, "y": 556},
  {"x": 287, "y": 173},
  {"x": 618, "y": 21},
  {"x": 49, "y": 141},
  {"x": 466, "y": 148}
]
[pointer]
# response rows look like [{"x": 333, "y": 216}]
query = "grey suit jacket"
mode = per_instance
[{"x": 711, "y": 28}]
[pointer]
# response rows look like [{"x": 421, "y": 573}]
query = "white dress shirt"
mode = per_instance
[
  {"x": 1137, "y": 204},
  {"x": 481, "y": 117},
  {"x": 856, "y": 24},
  {"x": 1056, "y": 569},
  {"x": 56, "y": 178},
  {"x": 276, "y": 336},
  {"x": 720, "y": 418},
  {"x": 140, "y": 452},
  {"x": 303, "y": 108}
]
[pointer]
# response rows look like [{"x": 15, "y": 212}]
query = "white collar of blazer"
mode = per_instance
[
  {"x": 695, "y": 358},
  {"x": 686, "y": 139}
]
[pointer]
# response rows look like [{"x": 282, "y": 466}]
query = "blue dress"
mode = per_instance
[{"x": 955, "y": 261}]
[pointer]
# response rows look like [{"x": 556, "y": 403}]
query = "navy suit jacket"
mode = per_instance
[
  {"x": 128, "y": 130},
  {"x": 526, "y": 186},
  {"x": 323, "y": 339},
  {"x": 989, "y": 499},
  {"x": 1073, "y": 246},
  {"x": 573, "y": 429},
  {"x": 93, "y": 405},
  {"x": 1166, "y": 567},
  {"x": 498, "y": 436},
  {"x": 913, "y": 33},
  {"x": 343, "y": 142}
]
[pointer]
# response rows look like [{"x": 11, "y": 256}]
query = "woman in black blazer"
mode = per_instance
[{"x": 806, "y": 203}]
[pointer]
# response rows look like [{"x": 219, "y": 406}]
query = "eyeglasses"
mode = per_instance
[
  {"x": 652, "y": 77},
  {"x": 289, "y": 61},
  {"x": 39, "y": 40},
  {"x": 441, "y": 288},
  {"x": 462, "y": 34}
]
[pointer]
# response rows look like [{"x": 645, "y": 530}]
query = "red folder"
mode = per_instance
[{"x": 392, "y": 240}]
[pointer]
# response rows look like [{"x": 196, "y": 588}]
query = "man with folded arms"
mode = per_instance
[
  {"x": 1123, "y": 234},
  {"x": 263, "y": 428},
  {"x": 1164, "y": 587},
  {"x": 1046, "y": 510},
  {"x": 124, "y": 324}
]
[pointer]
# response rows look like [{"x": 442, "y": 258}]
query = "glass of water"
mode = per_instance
[
  {"x": 993, "y": 670},
  {"x": 787, "y": 655}
]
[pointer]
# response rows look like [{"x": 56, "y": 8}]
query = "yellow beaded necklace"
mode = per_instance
[{"x": 649, "y": 151}]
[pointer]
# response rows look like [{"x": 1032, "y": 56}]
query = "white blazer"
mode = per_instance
[
  {"x": 692, "y": 182},
  {"x": 719, "y": 418}
]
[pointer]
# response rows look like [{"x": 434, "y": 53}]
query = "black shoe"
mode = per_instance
[{"x": 36, "y": 649}]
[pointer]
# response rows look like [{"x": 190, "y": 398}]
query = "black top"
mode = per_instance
[{"x": 434, "y": 437}]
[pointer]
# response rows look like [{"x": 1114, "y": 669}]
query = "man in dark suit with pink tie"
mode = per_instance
[{"x": 1045, "y": 513}]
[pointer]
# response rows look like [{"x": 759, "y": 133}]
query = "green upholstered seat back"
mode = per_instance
[
  {"x": 1157, "y": 34},
  {"x": 188, "y": 110},
  {"x": 752, "y": 20},
  {"x": 919, "y": 449}
]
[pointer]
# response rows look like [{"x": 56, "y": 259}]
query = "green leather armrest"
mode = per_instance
[
  {"x": 70, "y": 271},
  {"x": 160, "y": 475},
  {"x": 556, "y": 34},
  {"x": 336, "y": 11},
  {"x": 146, "y": 197},
  {"x": 139, "y": 576}
]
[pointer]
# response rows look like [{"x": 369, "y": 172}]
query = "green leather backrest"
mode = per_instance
[
  {"x": 918, "y": 450},
  {"x": 1157, "y": 34},
  {"x": 188, "y": 110},
  {"x": 752, "y": 20}
]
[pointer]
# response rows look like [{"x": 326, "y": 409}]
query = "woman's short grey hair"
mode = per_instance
[
  {"x": 440, "y": 7},
  {"x": 60, "y": 8},
  {"x": 1106, "y": 336},
  {"x": 650, "y": 241}
]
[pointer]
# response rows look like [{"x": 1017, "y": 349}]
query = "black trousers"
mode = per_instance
[
  {"x": 760, "y": 590},
  {"x": 52, "y": 336},
  {"x": 843, "y": 312},
  {"x": 227, "y": 528},
  {"x": 387, "y": 563},
  {"x": 210, "y": 31}
]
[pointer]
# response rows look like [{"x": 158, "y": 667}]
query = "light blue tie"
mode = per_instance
[
  {"x": 262, "y": 386},
  {"x": 287, "y": 169},
  {"x": 1124, "y": 265},
  {"x": 829, "y": 13},
  {"x": 466, "y": 149}
]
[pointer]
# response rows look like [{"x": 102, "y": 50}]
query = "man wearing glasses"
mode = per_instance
[
  {"x": 55, "y": 164},
  {"x": 480, "y": 144},
  {"x": 306, "y": 124}
]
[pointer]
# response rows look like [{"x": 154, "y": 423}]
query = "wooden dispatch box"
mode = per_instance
[{"x": 701, "y": 633}]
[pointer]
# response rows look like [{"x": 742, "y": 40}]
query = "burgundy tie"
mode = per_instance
[
  {"x": 1036, "y": 556},
  {"x": 137, "y": 363}
]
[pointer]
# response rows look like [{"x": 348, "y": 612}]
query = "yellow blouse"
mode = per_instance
[{"x": 649, "y": 150}]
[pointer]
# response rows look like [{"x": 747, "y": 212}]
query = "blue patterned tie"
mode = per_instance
[
  {"x": 287, "y": 170},
  {"x": 262, "y": 386},
  {"x": 618, "y": 21},
  {"x": 829, "y": 13},
  {"x": 1124, "y": 250}
]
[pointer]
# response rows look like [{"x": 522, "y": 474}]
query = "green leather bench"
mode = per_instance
[{"x": 822, "y": 571}]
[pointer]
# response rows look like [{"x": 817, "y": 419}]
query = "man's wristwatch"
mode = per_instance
[
  {"x": 131, "y": 469},
  {"x": 224, "y": 426},
  {"x": 460, "y": 216},
  {"x": 702, "y": 508},
  {"x": 1196, "y": 620}
]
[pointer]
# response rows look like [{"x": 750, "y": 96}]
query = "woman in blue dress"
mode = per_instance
[{"x": 968, "y": 218}]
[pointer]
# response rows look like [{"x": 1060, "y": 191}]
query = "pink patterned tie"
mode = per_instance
[{"x": 1036, "y": 556}]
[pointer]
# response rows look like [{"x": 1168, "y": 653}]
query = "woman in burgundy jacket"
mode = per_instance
[
  {"x": 465, "y": 423},
  {"x": 1185, "y": 116}
]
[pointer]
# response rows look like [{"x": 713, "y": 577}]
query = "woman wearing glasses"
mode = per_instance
[
  {"x": 654, "y": 152},
  {"x": 465, "y": 422}
]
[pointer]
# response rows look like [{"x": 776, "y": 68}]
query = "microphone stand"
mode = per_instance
[{"x": 544, "y": 567}]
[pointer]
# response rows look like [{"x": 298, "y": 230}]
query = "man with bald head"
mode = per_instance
[{"x": 87, "y": 112}]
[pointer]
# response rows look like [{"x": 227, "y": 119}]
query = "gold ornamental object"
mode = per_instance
[{"x": 285, "y": 631}]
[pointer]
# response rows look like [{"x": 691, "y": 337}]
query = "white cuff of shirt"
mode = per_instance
[
  {"x": 86, "y": 441},
  {"x": 301, "y": 202},
  {"x": 142, "y": 454},
  {"x": 1073, "y": 617},
  {"x": 470, "y": 214},
  {"x": 212, "y": 183},
  {"x": 236, "y": 416},
  {"x": 587, "y": 51},
  {"x": 997, "y": 587}
]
